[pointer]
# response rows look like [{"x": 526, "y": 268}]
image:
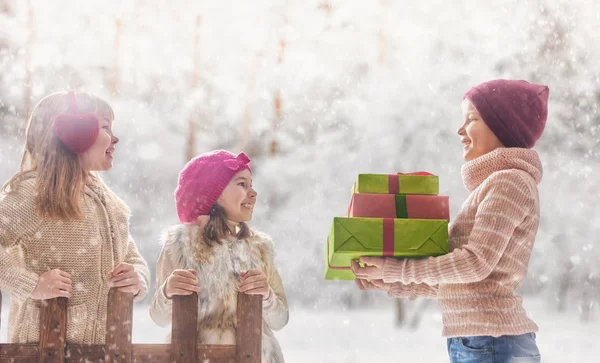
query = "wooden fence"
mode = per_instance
[{"x": 53, "y": 347}]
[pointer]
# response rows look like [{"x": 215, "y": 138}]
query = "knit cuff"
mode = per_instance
[
  {"x": 269, "y": 301},
  {"x": 143, "y": 285},
  {"x": 399, "y": 290},
  {"x": 162, "y": 297},
  {"x": 23, "y": 285},
  {"x": 392, "y": 270}
]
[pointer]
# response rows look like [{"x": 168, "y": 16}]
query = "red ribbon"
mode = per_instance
[
  {"x": 393, "y": 184},
  {"x": 417, "y": 173},
  {"x": 388, "y": 237}
]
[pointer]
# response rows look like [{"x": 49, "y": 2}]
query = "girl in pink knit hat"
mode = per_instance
[
  {"x": 492, "y": 236},
  {"x": 214, "y": 253},
  {"x": 63, "y": 232}
]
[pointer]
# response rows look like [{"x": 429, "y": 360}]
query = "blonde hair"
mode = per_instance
[{"x": 59, "y": 175}]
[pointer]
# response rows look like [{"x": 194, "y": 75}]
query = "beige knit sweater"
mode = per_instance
[
  {"x": 87, "y": 249},
  {"x": 491, "y": 240}
]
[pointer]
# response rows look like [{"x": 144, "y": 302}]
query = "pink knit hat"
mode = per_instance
[
  {"x": 515, "y": 111},
  {"x": 202, "y": 181}
]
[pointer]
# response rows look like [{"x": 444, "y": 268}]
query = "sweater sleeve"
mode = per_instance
[
  {"x": 275, "y": 307},
  {"x": 18, "y": 222},
  {"x": 412, "y": 291},
  {"x": 161, "y": 307},
  {"x": 505, "y": 203},
  {"x": 141, "y": 267}
]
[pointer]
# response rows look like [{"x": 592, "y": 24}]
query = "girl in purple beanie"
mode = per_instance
[
  {"x": 214, "y": 253},
  {"x": 492, "y": 236}
]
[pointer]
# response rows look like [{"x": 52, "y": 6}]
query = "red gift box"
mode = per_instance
[{"x": 399, "y": 206}]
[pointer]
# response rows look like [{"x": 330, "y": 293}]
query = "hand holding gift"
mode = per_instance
[
  {"x": 395, "y": 215},
  {"x": 373, "y": 269},
  {"x": 373, "y": 285}
]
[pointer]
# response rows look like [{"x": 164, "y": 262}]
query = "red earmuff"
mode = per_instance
[{"x": 77, "y": 131}]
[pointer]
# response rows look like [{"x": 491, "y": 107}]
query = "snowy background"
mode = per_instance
[{"x": 341, "y": 87}]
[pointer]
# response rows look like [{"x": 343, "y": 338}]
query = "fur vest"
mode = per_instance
[{"x": 219, "y": 268}]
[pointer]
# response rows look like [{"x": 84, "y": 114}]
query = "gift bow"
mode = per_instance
[
  {"x": 394, "y": 183},
  {"x": 237, "y": 163}
]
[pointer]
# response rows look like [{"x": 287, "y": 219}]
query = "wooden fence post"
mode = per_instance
[
  {"x": 184, "y": 332},
  {"x": 53, "y": 330},
  {"x": 249, "y": 329},
  {"x": 119, "y": 325}
]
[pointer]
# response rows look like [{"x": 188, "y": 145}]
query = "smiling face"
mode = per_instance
[
  {"x": 476, "y": 136},
  {"x": 100, "y": 155},
  {"x": 238, "y": 198}
]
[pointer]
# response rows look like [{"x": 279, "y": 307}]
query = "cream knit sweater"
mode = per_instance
[
  {"x": 87, "y": 249},
  {"x": 491, "y": 240}
]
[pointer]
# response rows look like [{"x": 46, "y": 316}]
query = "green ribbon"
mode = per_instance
[{"x": 401, "y": 208}]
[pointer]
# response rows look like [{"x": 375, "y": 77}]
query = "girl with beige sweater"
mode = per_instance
[
  {"x": 63, "y": 232},
  {"x": 491, "y": 238}
]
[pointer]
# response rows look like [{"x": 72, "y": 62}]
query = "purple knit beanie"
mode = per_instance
[
  {"x": 515, "y": 111},
  {"x": 202, "y": 181}
]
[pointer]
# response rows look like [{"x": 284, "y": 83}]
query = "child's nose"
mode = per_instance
[{"x": 115, "y": 139}]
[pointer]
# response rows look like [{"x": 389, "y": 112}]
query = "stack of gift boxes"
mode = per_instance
[{"x": 398, "y": 215}]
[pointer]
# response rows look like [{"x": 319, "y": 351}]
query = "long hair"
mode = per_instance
[
  {"x": 217, "y": 228},
  {"x": 60, "y": 178}
]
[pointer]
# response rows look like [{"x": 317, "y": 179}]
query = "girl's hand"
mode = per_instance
[
  {"x": 181, "y": 282},
  {"x": 373, "y": 270},
  {"x": 254, "y": 282},
  {"x": 373, "y": 285},
  {"x": 51, "y": 284},
  {"x": 125, "y": 278}
]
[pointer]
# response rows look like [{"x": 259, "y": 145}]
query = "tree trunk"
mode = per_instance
[{"x": 400, "y": 312}]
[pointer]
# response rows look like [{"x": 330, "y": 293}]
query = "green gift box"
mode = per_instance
[
  {"x": 351, "y": 238},
  {"x": 419, "y": 183}
]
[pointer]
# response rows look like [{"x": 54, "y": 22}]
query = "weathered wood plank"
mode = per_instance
[
  {"x": 249, "y": 328},
  {"x": 119, "y": 325},
  {"x": 184, "y": 330},
  {"x": 53, "y": 330}
]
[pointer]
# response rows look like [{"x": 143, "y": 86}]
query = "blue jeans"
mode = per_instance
[{"x": 487, "y": 349}]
